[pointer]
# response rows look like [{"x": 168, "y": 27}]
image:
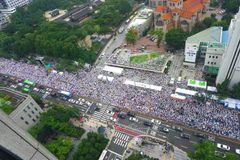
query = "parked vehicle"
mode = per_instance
[
  {"x": 223, "y": 147},
  {"x": 185, "y": 135}
]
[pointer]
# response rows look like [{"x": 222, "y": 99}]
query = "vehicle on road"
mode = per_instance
[
  {"x": 13, "y": 86},
  {"x": 133, "y": 119},
  {"x": 179, "y": 80},
  {"x": 113, "y": 119},
  {"x": 237, "y": 150},
  {"x": 166, "y": 130},
  {"x": 123, "y": 116},
  {"x": 131, "y": 114},
  {"x": 115, "y": 110},
  {"x": 223, "y": 147},
  {"x": 36, "y": 89},
  {"x": 155, "y": 121},
  {"x": 177, "y": 128},
  {"x": 171, "y": 82},
  {"x": 200, "y": 135},
  {"x": 121, "y": 29},
  {"x": 185, "y": 135},
  {"x": 147, "y": 123}
]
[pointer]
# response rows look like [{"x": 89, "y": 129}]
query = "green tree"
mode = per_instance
[
  {"x": 203, "y": 151},
  {"x": 221, "y": 23},
  {"x": 231, "y": 156},
  {"x": 231, "y": 6},
  {"x": 222, "y": 89},
  {"x": 60, "y": 147},
  {"x": 214, "y": 3},
  {"x": 138, "y": 156},
  {"x": 175, "y": 38},
  {"x": 132, "y": 36},
  {"x": 227, "y": 18},
  {"x": 159, "y": 34},
  {"x": 236, "y": 90}
]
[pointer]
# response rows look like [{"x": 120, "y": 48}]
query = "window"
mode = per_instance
[
  {"x": 33, "y": 112},
  {"x": 216, "y": 57},
  {"x": 28, "y": 107},
  {"x": 31, "y": 103},
  {"x": 24, "y": 111},
  {"x": 208, "y": 62},
  {"x": 29, "y": 116},
  {"x": 209, "y": 56},
  {"x": 211, "y": 62},
  {"x": 215, "y": 63},
  {"x": 26, "y": 122},
  {"x": 33, "y": 120},
  {"x": 36, "y": 109},
  {"x": 213, "y": 56},
  {"x": 37, "y": 116},
  {"x": 22, "y": 118}
]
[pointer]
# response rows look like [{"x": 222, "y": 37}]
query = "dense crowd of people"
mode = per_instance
[{"x": 210, "y": 116}]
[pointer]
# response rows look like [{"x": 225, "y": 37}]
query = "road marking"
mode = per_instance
[
  {"x": 184, "y": 146},
  {"x": 127, "y": 138},
  {"x": 193, "y": 142},
  {"x": 177, "y": 137},
  {"x": 115, "y": 153},
  {"x": 115, "y": 140}
]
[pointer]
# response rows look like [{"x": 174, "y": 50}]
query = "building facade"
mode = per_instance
[
  {"x": 230, "y": 65},
  {"x": 27, "y": 112},
  {"x": 3, "y": 20},
  {"x": 15, "y": 143},
  {"x": 178, "y": 13},
  {"x": 14, "y": 3}
]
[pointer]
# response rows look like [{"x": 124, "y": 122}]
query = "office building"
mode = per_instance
[
  {"x": 17, "y": 144},
  {"x": 14, "y": 3},
  {"x": 27, "y": 111},
  {"x": 230, "y": 65},
  {"x": 3, "y": 20}
]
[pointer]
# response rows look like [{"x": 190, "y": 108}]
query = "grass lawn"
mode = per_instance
[{"x": 143, "y": 58}]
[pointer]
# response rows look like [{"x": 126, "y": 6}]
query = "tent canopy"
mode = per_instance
[
  {"x": 115, "y": 70},
  {"x": 186, "y": 91},
  {"x": 197, "y": 84},
  {"x": 143, "y": 85}
]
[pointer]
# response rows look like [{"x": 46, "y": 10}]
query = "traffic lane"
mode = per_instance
[
  {"x": 135, "y": 125},
  {"x": 115, "y": 147}
]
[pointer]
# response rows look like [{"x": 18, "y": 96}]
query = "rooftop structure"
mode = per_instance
[
  {"x": 27, "y": 111},
  {"x": 208, "y": 44},
  {"x": 142, "y": 21},
  {"x": 178, "y": 13}
]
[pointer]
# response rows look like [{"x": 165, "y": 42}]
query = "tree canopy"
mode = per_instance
[
  {"x": 132, "y": 36},
  {"x": 138, "y": 156},
  {"x": 159, "y": 34},
  {"x": 91, "y": 148},
  {"x": 175, "y": 38},
  {"x": 231, "y": 6}
]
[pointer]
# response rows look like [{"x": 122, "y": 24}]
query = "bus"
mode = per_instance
[
  {"x": 65, "y": 94},
  {"x": 30, "y": 83}
]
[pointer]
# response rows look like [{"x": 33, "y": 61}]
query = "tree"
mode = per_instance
[
  {"x": 222, "y": 89},
  {"x": 175, "y": 38},
  {"x": 236, "y": 90},
  {"x": 214, "y": 3},
  {"x": 132, "y": 36},
  {"x": 138, "y": 156},
  {"x": 227, "y": 18},
  {"x": 159, "y": 34},
  {"x": 203, "y": 151},
  {"x": 231, "y": 6},
  {"x": 222, "y": 24}
]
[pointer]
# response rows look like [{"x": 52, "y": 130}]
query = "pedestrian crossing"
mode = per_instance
[
  {"x": 102, "y": 115},
  {"x": 121, "y": 139}
]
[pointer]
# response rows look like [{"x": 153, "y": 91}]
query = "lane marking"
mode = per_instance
[
  {"x": 177, "y": 137},
  {"x": 193, "y": 142},
  {"x": 184, "y": 146},
  {"x": 115, "y": 153}
]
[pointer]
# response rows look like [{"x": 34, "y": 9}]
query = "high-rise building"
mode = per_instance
[
  {"x": 230, "y": 65},
  {"x": 14, "y": 3},
  {"x": 17, "y": 144}
]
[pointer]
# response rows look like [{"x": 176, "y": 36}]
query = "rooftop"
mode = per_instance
[
  {"x": 216, "y": 45},
  {"x": 212, "y": 34}
]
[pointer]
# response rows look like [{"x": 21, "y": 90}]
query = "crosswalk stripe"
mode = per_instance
[
  {"x": 127, "y": 138},
  {"x": 115, "y": 140}
]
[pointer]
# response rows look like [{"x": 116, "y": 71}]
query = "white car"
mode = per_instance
[
  {"x": 36, "y": 89},
  {"x": 237, "y": 150},
  {"x": 13, "y": 86},
  {"x": 166, "y": 130},
  {"x": 134, "y": 119},
  {"x": 179, "y": 80},
  {"x": 171, "y": 82},
  {"x": 113, "y": 119},
  {"x": 223, "y": 147},
  {"x": 49, "y": 89},
  {"x": 71, "y": 100},
  {"x": 20, "y": 84},
  {"x": 156, "y": 121}
]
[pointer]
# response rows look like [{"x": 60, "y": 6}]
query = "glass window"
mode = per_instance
[
  {"x": 22, "y": 118},
  {"x": 26, "y": 122},
  {"x": 29, "y": 116}
]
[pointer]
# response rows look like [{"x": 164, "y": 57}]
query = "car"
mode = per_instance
[
  {"x": 223, "y": 147},
  {"x": 200, "y": 135},
  {"x": 13, "y": 86},
  {"x": 179, "y": 129},
  {"x": 131, "y": 114},
  {"x": 77, "y": 102},
  {"x": 133, "y": 119},
  {"x": 49, "y": 89},
  {"x": 115, "y": 110},
  {"x": 147, "y": 123},
  {"x": 110, "y": 112},
  {"x": 97, "y": 109},
  {"x": 113, "y": 119},
  {"x": 220, "y": 154},
  {"x": 20, "y": 84},
  {"x": 185, "y": 135},
  {"x": 42, "y": 91},
  {"x": 237, "y": 150},
  {"x": 123, "y": 116},
  {"x": 71, "y": 100},
  {"x": 171, "y": 82},
  {"x": 179, "y": 80},
  {"x": 155, "y": 121},
  {"x": 36, "y": 89},
  {"x": 166, "y": 130}
]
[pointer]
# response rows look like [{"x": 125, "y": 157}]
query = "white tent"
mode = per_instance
[
  {"x": 177, "y": 96},
  {"x": 105, "y": 78},
  {"x": 211, "y": 89},
  {"x": 186, "y": 91},
  {"x": 143, "y": 85},
  {"x": 115, "y": 70}
]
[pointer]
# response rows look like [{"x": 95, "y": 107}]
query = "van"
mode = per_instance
[{"x": 179, "y": 80}]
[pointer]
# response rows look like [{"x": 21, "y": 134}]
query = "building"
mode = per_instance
[
  {"x": 27, "y": 112},
  {"x": 142, "y": 21},
  {"x": 15, "y": 143},
  {"x": 208, "y": 44},
  {"x": 230, "y": 65},
  {"x": 3, "y": 20},
  {"x": 178, "y": 13},
  {"x": 9, "y": 6}
]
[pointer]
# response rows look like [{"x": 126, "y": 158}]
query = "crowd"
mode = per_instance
[{"x": 211, "y": 116}]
